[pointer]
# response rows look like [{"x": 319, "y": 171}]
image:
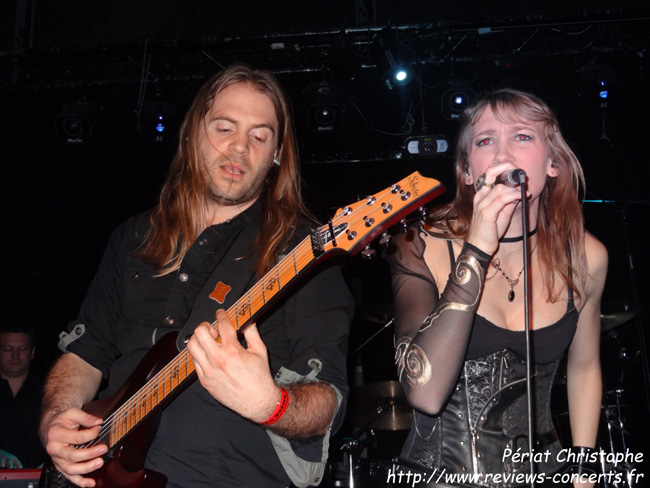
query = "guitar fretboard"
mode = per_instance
[{"x": 174, "y": 374}]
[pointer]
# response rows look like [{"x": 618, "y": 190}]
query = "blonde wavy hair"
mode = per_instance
[{"x": 560, "y": 226}]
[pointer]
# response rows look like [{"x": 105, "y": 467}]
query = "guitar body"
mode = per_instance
[{"x": 124, "y": 463}]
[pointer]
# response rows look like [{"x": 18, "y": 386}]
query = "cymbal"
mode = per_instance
[
  {"x": 381, "y": 406},
  {"x": 377, "y": 313},
  {"x": 612, "y": 320}
]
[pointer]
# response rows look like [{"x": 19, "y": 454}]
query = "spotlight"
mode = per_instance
[
  {"x": 604, "y": 93},
  {"x": 325, "y": 104},
  {"x": 397, "y": 72},
  {"x": 325, "y": 118},
  {"x": 159, "y": 119},
  {"x": 75, "y": 123},
  {"x": 397, "y": 76},
  {"x": 454, "y": 101},
  {"x": 598, "y": 84},
  {"x": 401, "y": 76}
]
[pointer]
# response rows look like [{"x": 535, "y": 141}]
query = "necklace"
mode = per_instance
[
  {"x": 496, "y": 262},
  {"x": 518, "y": 238}
]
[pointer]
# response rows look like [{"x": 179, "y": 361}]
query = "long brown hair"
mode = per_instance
[
  {"x": 179, "y": 217},
  {"x": 560, "y": 226}
]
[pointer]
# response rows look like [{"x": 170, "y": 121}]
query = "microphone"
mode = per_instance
[{"x": 511, "y": 178}]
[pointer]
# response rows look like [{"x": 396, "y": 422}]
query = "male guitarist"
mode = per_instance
[{"x": 263, "y": 409}]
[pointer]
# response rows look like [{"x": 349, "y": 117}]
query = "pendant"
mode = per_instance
[{"x": 511, "y": 295}]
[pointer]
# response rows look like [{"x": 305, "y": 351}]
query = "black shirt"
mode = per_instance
[
  {"x": 19, "y": 417},
  {"x": 200, "y": 443}
]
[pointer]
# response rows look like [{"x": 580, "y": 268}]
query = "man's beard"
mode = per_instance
[{"x": 244, "y": 194}]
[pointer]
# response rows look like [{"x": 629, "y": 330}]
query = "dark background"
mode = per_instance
[{"x": 122, "y": 63}]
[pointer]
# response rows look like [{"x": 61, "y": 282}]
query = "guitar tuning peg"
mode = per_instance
[
  {"x": 384, "y": 239},
  {"x": 403, "y": 225},
  {"x": 368, "y": 253}
]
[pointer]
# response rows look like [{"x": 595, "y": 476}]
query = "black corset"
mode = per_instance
[{"x": 486, "y": 414}]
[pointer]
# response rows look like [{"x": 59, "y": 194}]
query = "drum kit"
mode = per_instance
[
  {"x": 378, "y": 416},
  {"x": 375, "y": 409},
  {"x": 621, "y": 411}
]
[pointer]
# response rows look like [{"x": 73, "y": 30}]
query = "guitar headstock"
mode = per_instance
[{"x": 354, "y": 226}]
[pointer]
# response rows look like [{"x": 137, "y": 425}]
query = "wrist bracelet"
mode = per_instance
[{"x": 280, "y": 408}]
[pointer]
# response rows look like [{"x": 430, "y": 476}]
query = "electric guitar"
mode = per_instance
[{"x": 130, "y": 414}]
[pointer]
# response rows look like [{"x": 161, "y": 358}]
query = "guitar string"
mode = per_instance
[
  {"x": 166, "y": 375},
  {"x": 173, "y": 368}
]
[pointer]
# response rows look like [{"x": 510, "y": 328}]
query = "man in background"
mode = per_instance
[{"x": 20, "y": 400}]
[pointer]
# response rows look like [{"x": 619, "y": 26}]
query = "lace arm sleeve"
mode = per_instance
[{"x": 432, "y": 333}]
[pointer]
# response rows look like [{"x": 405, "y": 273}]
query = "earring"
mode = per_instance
[
  {"x": 276, "y": 161},
  {"x": 466, "y": 171},
  {"x": 555, "y": 164}
]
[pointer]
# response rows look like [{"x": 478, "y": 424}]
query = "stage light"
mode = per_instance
[
  {"x": 396, "y": 69},
  {"x": 455, "y": 100},
  {"x": 397, "y": 76},
  {"x": 598, "y": 84},
  {"x": 603, "y": 93},
  {"x": 325, "y": 118},
  {"x": 325, "y": 106},
  {"x": 75, "y": 123},
  {"x": 159, "y": 118},
  {"x": 160, "y": 127},
  {"x": 401, "y": 76}
]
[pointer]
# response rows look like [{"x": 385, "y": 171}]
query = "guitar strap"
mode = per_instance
[{"x": 231, "y": 277}]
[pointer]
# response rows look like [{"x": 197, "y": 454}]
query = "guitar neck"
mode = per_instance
[
  {"x": 273, "y": 282},
  {"x": 167, "y": 381}
]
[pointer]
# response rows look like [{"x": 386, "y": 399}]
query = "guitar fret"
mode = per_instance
[
  {"x": 168, "y": 384},
  {"x": 143, "y": 407},
  {"x": 263, "y": 293}
]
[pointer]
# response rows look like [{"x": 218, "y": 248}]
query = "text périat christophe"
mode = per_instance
[{"x": 568, "y": 456}]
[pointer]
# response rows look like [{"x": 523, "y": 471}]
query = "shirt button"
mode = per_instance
[
  {"x": 183, "y": 277},
  {"x": 203, "y": 241},
  {"x": 135, "y": 275},
  {"x": 169, "y": 320}
]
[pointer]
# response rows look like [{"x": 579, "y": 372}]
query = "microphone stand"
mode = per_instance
[{"x": 529, "y": 389}]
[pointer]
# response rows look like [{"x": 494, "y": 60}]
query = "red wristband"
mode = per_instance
[{"x": 280, "y": 408}]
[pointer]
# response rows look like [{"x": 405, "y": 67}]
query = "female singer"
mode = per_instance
[{"x": 459, "y": 305}]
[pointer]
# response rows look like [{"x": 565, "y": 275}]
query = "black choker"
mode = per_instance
[{"x": 518, "y": 238}]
